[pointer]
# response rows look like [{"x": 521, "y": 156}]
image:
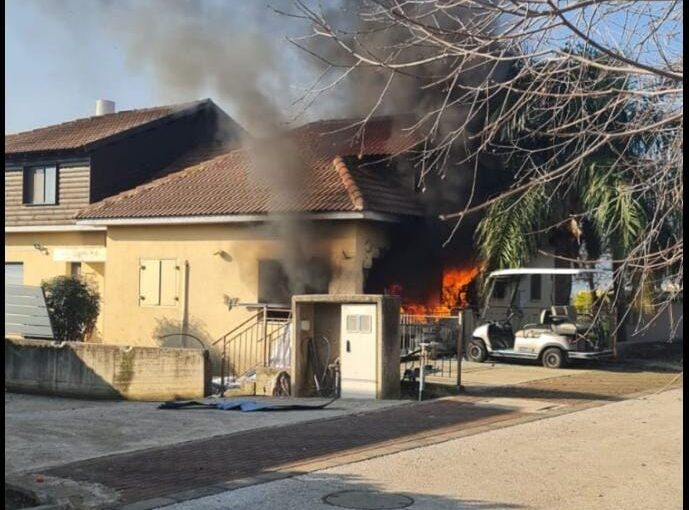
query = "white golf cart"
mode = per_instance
[{"x": 551, "y": 315}]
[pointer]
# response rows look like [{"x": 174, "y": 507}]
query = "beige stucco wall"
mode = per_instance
[
  {"x": 39, "y": 265},
  {"x": 222, "y": 262}
]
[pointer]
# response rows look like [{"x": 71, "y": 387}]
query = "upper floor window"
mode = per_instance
[{"x": 40, "y": 185}]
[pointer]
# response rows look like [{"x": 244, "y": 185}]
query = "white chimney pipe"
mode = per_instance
[{"x": 104, "y": 106}]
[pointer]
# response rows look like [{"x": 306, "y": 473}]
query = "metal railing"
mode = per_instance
[
  {"x": 440, "y": 330},
  {"x": 441, "y": 334},
  {"x": 249, "y": 344}
]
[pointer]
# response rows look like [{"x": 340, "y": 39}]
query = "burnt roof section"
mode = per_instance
[
  {"x": 340, "y": 174},
  {"x": 379, "y": 136},
  {"x": 88, "y": 132}
]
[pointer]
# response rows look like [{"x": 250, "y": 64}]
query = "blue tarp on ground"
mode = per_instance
[{"x": 246, "y": 406}]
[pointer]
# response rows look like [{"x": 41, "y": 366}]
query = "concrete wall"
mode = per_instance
[
  {"x": 39, "y": 265},
  {"x": 222, "y": 262},
  {"x": 302, "y": 329},
  {"x": 389, "y": 348},
  {"x": 105, "y": 371},
  {"x": 319, "y": 314},
  {"x": 668, "y": 326},
  {"x": 372, "y": 239}
]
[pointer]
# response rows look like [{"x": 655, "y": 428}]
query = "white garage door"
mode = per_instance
[{"x": 14, "y": 273}]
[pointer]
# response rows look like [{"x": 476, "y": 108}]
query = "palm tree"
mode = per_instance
[{"x": 582, "y": 206}]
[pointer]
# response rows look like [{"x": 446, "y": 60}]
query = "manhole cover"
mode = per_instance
[{"x": 368, "y": 500}]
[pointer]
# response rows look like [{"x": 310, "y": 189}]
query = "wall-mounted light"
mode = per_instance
[
  {"x": 224, "y": 255},
  {"x": 230, "y": 302},
  {"x": 41, "y": 248}
]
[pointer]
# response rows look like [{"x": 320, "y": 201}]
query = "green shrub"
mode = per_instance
[{"x": 74, "y": 305}]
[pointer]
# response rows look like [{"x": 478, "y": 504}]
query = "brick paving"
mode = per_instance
[
  {"x": 160, "y": 476},
  {"x": 159, "y": 472}
]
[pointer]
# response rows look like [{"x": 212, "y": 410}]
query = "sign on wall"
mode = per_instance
[{"x": 80, "y": 254}]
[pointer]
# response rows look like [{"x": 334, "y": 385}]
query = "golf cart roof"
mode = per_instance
[{"x": 539, "y": 270}]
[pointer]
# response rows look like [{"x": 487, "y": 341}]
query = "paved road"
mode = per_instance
[
  {"x": 624, "y": 455},
  {"x": 172, "y": 472},
  {"x": 47, "y": 431},
  {"x": 57, "y": 432}
]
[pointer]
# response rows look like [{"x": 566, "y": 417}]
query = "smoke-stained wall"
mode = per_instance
[{"x": 223, "y": 269}]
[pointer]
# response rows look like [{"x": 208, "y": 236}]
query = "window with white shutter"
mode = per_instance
[
  {"x": 149, "y": 282},
  {"x": 169, "y": 282},
  {"x": 158, "y": 282}
]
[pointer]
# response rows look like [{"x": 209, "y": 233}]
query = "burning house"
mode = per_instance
[
  {"x": 221, "y": 226},
  {"x": 321, "y": 209}
]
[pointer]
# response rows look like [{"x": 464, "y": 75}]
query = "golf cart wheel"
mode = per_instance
[
  {"x": 476, "y": 351},
  {"x": 553, "y": 358}
]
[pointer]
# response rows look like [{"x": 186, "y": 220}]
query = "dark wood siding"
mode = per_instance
[
  {"x": 123, "y": 163},
  {"x": 72, "y": 193},
  {"x": 133, "y": 160}
]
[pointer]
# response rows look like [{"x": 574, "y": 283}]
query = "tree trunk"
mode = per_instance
[
  {"x": 566, "y": 246},
  {"x": 620, "y": 304}
]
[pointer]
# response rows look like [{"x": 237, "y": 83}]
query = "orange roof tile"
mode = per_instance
[
  {"x": 337, "y": 172},
  {"x": 81, "y": 133}
]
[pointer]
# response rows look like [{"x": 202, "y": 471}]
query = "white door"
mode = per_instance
[
  {"x": 14, "y": 273},
  {"x": 358, "y": 351}
]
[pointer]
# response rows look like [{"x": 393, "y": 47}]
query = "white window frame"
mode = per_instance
[{"x": 28, "y": 178}]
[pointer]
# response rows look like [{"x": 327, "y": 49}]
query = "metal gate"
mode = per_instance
[{"x": 442, "y": 336}]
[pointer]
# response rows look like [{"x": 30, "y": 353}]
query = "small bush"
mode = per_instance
[{"x": 74, "y": 305}]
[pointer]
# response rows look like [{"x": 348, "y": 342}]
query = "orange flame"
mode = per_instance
[
  {"x": 455, "y": 283},
  {"x": 453, "y": 293}
]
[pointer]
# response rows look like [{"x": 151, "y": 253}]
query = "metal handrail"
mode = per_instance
[
  {"x": 255, "y": 316},
  {"x": 270, "y": 338},
  {"x": 239, "y": 334}
]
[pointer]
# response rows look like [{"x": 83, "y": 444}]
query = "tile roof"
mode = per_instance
[
  {"x": 81, "y": 133},
  {"x": 328, "y": 172},
  {"x": 384, "y": 136}
]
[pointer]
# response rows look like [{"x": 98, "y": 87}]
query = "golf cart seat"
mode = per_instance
[
  {"x": 544, "y": 322},
  {"x": 563, "y": 323}
]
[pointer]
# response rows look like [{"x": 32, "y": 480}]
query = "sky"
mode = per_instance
[
  {"x": 61, "y": 56},
  {"x": 45, "y": 82}
]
